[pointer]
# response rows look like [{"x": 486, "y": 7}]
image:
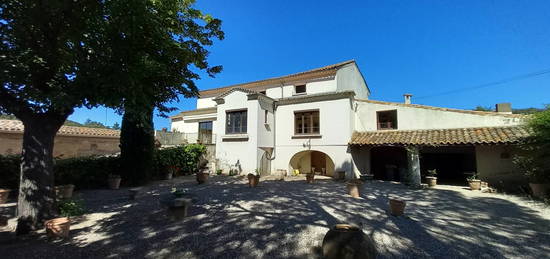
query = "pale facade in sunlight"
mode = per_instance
[{"x": 322, "y": 121}]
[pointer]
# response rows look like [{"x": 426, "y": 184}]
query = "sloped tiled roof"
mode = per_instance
[
  {"x": 229, "y": 91},
  {"x": 16, "y": 126},
  {"x": 441, "y": 137},
  {"x": 443, "y": 109},
  {"x": 322, "y": 72}
]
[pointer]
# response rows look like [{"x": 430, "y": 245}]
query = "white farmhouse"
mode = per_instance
[{"x": 322, "y": 121}]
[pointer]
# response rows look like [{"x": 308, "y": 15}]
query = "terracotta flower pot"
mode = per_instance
[
  {"x": 540, "y": 190},
  {"x": 202, "y": 177},
  {"x": 475, "y": 185},
  {"x": 397, "y": 207},
  {"x": 347, "y": 241},
  {"x": 58, "y": 227},
  {"x": 310, "y": 178},
  {"x": 353, "y": 189},
  {"x": 431, "y": 180},
  {"x": 4, "y": 193},
  {"x": 114, "y": 182},
  {"x": 64, "y": 191},
  {"x": 253, "y": 180}
]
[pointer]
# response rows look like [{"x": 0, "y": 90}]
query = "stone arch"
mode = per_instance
[{"x": 309, "y": 160}]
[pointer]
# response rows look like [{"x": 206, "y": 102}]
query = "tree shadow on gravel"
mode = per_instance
[{"x": 288, "y": 219}]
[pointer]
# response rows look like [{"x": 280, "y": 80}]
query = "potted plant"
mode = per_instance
[
  {"x": 539, "y": 181},
  {"x": 397, "y": 207},
  {"x": 114, "y": 181},
  {"x": 431, "y": 178},
  {"x": 60, "y": 227},
  {"x": 4, "y": 193},
  {"x": 310, "y": 177},
  {"x": 474, "y": 182},
  {"x": 353, "y": 187},
  {"x": 253, "y": 179},
  {"x": 219, "y": 172},
  {"x": 202, "y": 176}
]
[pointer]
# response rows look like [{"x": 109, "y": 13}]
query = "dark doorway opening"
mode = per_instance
[
  {"x": 389, "y": 163},
  {"x": 453, "y": 164}
]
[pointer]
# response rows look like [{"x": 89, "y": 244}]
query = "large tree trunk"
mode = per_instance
[
  {"x": 137, "y": 144},
  {"x": 36, "y": 201}
]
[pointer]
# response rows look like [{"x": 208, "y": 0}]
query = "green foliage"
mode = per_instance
[
  {"x": 527, "y": 110},
  {"x": 472, "y": 177},
  {"x": 432, "y": 172},
  {"x": 71, "y": 208},
  {"x": 94, "y": 124},
  {"x": 116, "y": 126},
  {"x": 9, "y": 171},
  {"x": 233, "y": 172},
  {"x": 534, "y": 160},
  {"x": 483, "y": 109},
  {"x": 86, "y": 172},
  {"x": 219, "y": 172},
  {"x": 184, "y": 158},
  {"x": 137, "y": 145}
]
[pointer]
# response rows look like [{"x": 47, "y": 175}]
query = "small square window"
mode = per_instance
[
  {"x": 300, "y": 89},
  {"x": 386, "y": 120}
]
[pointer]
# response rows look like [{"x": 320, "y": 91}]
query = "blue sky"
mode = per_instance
[{"x": 418, "y": 47}]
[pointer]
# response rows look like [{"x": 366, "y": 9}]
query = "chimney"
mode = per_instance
[
  {"x": 504, "y": 108},
  {"x": 407, "y": 98}
]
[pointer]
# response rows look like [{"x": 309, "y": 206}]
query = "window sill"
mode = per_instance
[
  {"x": 235, "y": 137},
  {"x": 299, "y": 94},
  {"x": 307, "y": 136}
]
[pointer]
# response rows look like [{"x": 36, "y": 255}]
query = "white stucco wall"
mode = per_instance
[
  {"x": 323, "y": 86},
  {"x": 190, "y": 124},
  {"x": 349, "y": 78},
  {"x": 499, "y": 172},
  {"x": 335, "y": 119},
  {"x": 205, "y": 102},
  {"x": 238, "y": 153},
  {"x": 411, "y": 118}
]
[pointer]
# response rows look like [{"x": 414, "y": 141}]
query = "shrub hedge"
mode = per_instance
[{"x": 92, "y": 171}]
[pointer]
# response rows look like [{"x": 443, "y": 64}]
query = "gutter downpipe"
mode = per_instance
[{"x": 274, "y": 154}]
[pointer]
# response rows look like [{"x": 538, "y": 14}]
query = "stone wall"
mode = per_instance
[{"x": 65, "y": 146}]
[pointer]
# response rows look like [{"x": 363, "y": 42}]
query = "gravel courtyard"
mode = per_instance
[{"x": 288, "y": 219}]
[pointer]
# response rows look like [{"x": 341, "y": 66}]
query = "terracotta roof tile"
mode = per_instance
[
  {"x": 322, "y": 72},
  {"x": 16, "y": 126},
  {"x": 441, "y": 137}
]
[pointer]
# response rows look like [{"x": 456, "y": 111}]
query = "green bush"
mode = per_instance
[
  {"x": 70, "y": 208},
  {"x": 86, "y": 172},
  {"x": 93, "y": 171},
  {"x": 184, "y": 158}
]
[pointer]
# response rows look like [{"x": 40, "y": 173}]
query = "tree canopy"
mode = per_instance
[{"x": 59, "y": 55}]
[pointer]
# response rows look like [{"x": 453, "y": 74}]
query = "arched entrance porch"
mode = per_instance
[{"x": 312, "y": 161}]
